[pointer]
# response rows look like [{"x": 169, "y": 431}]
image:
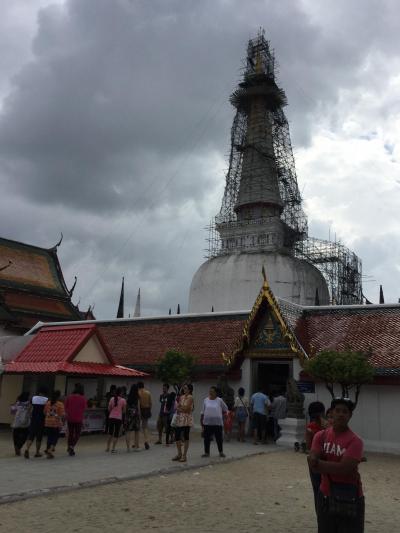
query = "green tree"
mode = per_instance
[
  {"x": 175, "y": 368},
  {"x": 348, "y": 370}
]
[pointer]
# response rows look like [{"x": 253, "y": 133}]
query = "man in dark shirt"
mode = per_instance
[
  {"x": 37, "y": 422},
  {"x": 162, "y": 420}
]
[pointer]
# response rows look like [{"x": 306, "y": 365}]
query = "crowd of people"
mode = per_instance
[
  {"x": 334, "y": 450},
  {"x": 127, "y": 413},
  {"x": 44, "y": 416}
]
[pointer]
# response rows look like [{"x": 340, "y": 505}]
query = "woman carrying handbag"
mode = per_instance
[{"x": 183, "y": 421}]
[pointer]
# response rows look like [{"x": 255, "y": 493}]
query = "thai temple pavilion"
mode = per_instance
[{"x": 32, "y": 288}]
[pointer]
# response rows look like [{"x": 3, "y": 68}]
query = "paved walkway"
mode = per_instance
[{"x": 21, "y": 478}]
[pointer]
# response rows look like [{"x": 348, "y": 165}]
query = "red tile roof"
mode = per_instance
[
  {"x": 53, "y": 349},
  {"x": 142, "y": 342},
  {"x": 375, "y": 330},
  {"x": 93, "y": 369},
  {"x": 57, "y": 344}
]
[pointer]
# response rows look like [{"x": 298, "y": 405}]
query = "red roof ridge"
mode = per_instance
[
  {"x": 125, "y": 321},
  {"x": 69, "y": 326}
]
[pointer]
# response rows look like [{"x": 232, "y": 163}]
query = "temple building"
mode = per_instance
[
  {"x": 261, "y": 223},
  {"x": 264, "y": 348},
  {"x": 32, "y": 288}
]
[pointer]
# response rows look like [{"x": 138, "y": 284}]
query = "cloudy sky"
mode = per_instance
[{"x": 115, "y": 126}]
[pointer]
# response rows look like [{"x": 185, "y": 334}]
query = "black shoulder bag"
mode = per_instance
[{"x": 343, "y": 499}]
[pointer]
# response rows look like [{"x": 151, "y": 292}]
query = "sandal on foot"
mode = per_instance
[
  {"x": 37, "y": 454},
  {"x": 183, "y": 459},
  {"x": 177, "y": 458}
]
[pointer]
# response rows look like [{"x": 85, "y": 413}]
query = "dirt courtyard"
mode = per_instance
[{"x": 269, "y": 493}]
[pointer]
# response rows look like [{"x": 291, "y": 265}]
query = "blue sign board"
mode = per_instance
[{"x": 306, "y": 387}]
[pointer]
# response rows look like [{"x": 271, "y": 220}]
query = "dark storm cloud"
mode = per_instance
[
  {"x": 114, "y": 85},
  {"x": 111, "y": 101},
  {"x": 115, "y": 131}
]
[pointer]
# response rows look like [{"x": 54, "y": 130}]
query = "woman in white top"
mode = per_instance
[
  {"x": 212, "y": 421},
  {"x": 241, "y": 408}
]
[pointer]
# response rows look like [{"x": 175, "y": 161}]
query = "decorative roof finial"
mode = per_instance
[
  {"x": 381, "y": 297},
  {"x": 73, "y": 286},
  {"x": 59, "y": 242},
  {"x": 6, "y": 266},
  {"x": 264, "y": 275},
  {"x": 316, "y": 300}
]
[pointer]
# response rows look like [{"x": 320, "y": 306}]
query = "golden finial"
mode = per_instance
[{"x": 264, "y": 275}]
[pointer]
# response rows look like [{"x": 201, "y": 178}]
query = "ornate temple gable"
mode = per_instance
[{"x": 266, "y": 332}]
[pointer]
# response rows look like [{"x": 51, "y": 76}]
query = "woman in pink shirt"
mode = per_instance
[
  {"x": 116, "y": 410},
  {"x": 75, "y": 405}
]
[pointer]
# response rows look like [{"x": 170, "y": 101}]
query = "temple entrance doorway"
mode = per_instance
[{"x": 270, "y": 376}]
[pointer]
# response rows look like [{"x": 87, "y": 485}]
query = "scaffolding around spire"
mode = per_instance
[
  {"x": 259, "y": 85},
  {"x": 341, "y": 268},
  {"x": 262, "y": 208}
]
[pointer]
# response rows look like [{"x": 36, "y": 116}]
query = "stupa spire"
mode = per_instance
[
  {"x": 136, "y": 313},
  {"x": 261, "y": 209},
  {"x": 261, "y": 220},
  {"x": 120, "y": 312}
]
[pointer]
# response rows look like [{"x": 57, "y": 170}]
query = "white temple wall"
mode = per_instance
[
  {"x": 296, "y": 369},
  {"x": 375, "y": 418}
]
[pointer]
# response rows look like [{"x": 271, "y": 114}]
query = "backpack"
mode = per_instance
[{"x": 22, "y": 416}]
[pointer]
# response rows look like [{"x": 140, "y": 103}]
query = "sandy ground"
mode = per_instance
[{"x": 263, "y": 493}]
